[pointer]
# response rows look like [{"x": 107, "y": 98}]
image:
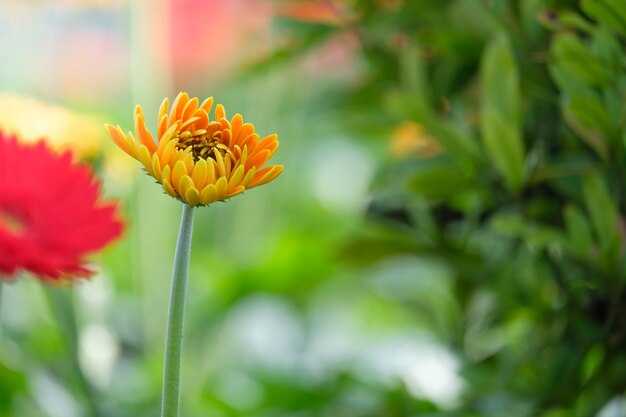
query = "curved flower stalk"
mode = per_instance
[
  {"x": 51, "y": 215},
  {"x": 198, "y": 160}
]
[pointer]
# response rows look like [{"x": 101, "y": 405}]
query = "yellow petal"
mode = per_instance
[
  {"x": 248, "y": 177},
  {"x": 199, "y": 174},
  {"x": 145, "y": 159},
  {"x": 211, "y": 175},
  {"x": 207, "y": 195},
  {"x": 219, "y": 161},
  {"x": 178, "y": 172},
  {"x": 243, "y": 158},
  {"x": 236, "y": 178},
  {"x": 132, "y": 146},
  {"x": 156, "y": 167},
  {"x": 166, "y": 174},
  {"x": 184, "y": 184},
  {"x": 166, "y": 137},
  {"x": 220, "y": 188},
  {"x": 167, "y": 153},
  {"x": 169, "y": 189},
  {"x": 228, "y": 165},
  {"x": 192, "y": 197}
]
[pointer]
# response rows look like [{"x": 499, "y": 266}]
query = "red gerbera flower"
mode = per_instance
[{"x": 50, "y": 213}]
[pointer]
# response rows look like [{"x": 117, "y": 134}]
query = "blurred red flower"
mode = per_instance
[{"x": 50, "y": 213}]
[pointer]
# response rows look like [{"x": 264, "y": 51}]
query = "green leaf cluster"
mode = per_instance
[{"x": 525, "y": 204}]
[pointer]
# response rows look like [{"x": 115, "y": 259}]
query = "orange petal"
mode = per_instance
[
  {"x": 236, "y": 124},
  {"x": 266, "y": 175},
  {"x": 220, "y": 113},
  {"x": 237, "y": 190},
  {"x": 258, "y": 160},
  {"x": 190, "y": 109},
  {"x": 142, "y": 133},
  {"x": 203, "y": 120},
  {"x": 119, "y": 138},
  {"x": 207, "y": 104},
  {"x": 246, "y": 130},
  {"x": 162, "y": 117},
  {"x": 177, "y": 107},
  {"x": 250, "y": 141},
  {"x": 270, "y": 143}
]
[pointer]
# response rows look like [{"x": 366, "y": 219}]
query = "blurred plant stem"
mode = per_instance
[
  {"x": 1, "y": 287},
  {"x": 174, "y": 336},
  {"x": 62, "y": 305}
]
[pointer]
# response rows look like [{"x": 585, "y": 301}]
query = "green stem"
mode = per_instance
[
  {"x": 62, "y": 305},
  {"x": 1, "y": 287},
  {"x": 174, "y": 336}
]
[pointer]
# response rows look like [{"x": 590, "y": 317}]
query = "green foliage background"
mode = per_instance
[{"x": 505, "y": 251}]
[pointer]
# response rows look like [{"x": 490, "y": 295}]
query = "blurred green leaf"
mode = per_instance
[
  {"x": 437, "y": 178},
  {"x": 573, "y": 20},
  {"x": 504, "y": 147},
  {"x": 592, "y": 361},
  {"x": 570, "y": 52},
  {"x": 500, "y": 79},
  {"x": 602, "y": 210},
  {"x": 580, "y": 239},
  {"x": 610, "y": 12},
  {"x": 500, "y": 121},
  {"x": 583, "y": 109},
  {"x": 541, "y": 236},
  {"x": 11, "y": 383}
]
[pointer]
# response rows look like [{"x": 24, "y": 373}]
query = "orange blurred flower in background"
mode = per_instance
[
  {"x": 325, "y": 12},
  {"x": 50, "y": 213},
  {"x": 409, "y": 138},
  {"x": 197, "y": 160}
]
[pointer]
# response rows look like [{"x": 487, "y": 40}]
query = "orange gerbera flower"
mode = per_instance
[{"x": 197, "y": 160}]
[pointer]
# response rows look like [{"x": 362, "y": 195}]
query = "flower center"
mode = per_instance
[
  {"x": 202, "y": 146},
  {"x": 11, "y": 222}
]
